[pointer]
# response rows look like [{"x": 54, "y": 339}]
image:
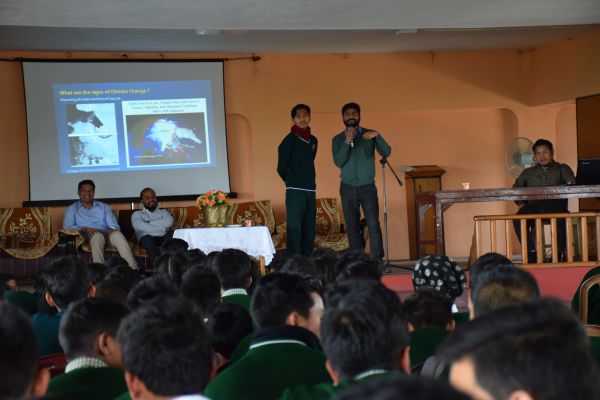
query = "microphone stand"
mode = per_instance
[{"x": 387, "y": 264}]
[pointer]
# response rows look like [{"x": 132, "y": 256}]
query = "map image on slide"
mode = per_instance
[
  {"x": 92, "y": 135},
  {"x": 168, "y": 139}
]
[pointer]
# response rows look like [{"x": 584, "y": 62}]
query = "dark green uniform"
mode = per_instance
[
  {"x": 88, "y": 383},
  {"x": 326, "y": 391},
  {"x": 45, "y": 328},
  {"x": 423, "y": 344},
  {"x": 241, "y": 299},
  {"x": 26, "y": 301},
  {"x": 267, "y": 369},
  {"x": 296, "y": 166}
]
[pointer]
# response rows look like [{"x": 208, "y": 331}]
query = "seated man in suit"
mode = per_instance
[
  {"x": 152, "y": 225},
  {"x": 518, "y": 352},
  {"x": 166, "y": 351},
  {"x": 96, "y": 222},
  {"x": 234, "y": 268},
  {"x": 285, "y": 350},
  {"x": 545, "y": 172},
  {"x": 21, "y": 378},
  {"x": 65, "y": 281},
  {"x": 363, "y": 336},
  {"x": 88, "y": 333}
]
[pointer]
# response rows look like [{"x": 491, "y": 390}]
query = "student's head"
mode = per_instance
[
  {"x": 428, "y": 308},
  {"x": 286, "y": 299},
  {"x": 351, "y": 114},
  {"x": 86, "y": 189},
  {"x": 363, "y": 331},
  {"x": 113, "y": 290},
  {"x": 172, "y": 266},
  {"x": 157, "y": 287},
  {"x": 149, "y": 199},
  {"x": 301, "y": 115},
  {"x": 173, "y": 246},
  {"x": 325, "y": 260},
  {"x": 19, "y": 356},
  {"x": 401, "y": 387},
  {"x": 228, "y": 325},
  {"x": 89, "y": 329},
  {"x": 529, "y": 351},
  {"x": 368, "y": 268},
  {"x": 65, "y": 281},
  {"x": 298, "y": 264},
  {"x": 484, "y": 263},
  {"x": 195, "y": 258},
  {"x": 96, "y": 273},
  {"x": 441, "y": 274},
  {"x": 543, "y": 152},
  {"x": 504, "y": 286},
  {"x": 166, "y": 350},
  {"x": 203, "y": 288},
  {"x": 234, "y": 268}
]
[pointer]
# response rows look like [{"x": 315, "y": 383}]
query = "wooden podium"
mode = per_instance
[{"x": 422, "y": 182}]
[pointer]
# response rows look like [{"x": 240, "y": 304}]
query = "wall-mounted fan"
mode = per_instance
[{"x": 519, "y": 155}]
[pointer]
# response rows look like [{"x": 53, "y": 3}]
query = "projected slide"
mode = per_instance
[{"x": 133, "y": 126}]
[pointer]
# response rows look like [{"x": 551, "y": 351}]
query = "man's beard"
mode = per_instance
[
  {"x": 151, "y": 207},
  {"x": 351, "y": 123}
]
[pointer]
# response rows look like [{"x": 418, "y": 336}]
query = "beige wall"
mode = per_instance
[{"x": 458, "y": 110}]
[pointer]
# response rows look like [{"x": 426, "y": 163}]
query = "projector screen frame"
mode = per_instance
[{"x": 124, "y": 60}]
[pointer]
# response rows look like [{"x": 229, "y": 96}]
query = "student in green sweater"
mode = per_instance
[
  {"x": 19, "y": 355},
  {"x": 285, "y": 350},
  {"x": 296, "y": 166},
  {"x": 166, "y": 351},
  {"x": 354, "y": 154},
  {"x": 234, "y": 268},
  {"x": 65, "y": 281},
  {"x": 363, "y": 336},
  {"x": 88, "y": 333}
]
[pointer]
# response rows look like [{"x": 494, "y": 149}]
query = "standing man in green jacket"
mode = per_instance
[
  {"x": 296, "y": 166},
  {"x": 353, "y": 152}
]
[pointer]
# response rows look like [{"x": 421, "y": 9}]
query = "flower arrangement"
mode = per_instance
[{"x": 212, "y": 198}]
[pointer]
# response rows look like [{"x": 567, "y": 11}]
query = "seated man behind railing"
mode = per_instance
[
  {"x": 95, "y": 221},
  {"x": 546, "y": 172}
]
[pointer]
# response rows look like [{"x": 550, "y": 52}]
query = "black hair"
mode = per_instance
[
  {"x": 363, "y": 329},
  {"x": 484, "y": 263},
  {"x": 299, "y": 107},
  {"x": 503, "y": 286},
  {"x": 427, "y": 308},
  {"x": 172, "y": 265},
  {"x": 545, "y": 143},
  {"x": 173, "y": 246},
  {"x": 278, "y": 260},
  {"x": 350, "y": 106},
  {"x": 526, "y": 347},
  {"x": 325, "y": 260},
  {"x": 299, "y": 264},
  {"x": 149, "y": 290},
  {"x": 96, "y": 272},
  {"x": 228, "y": 325},
  {"x": 277, "y": 295},
  {"x": 84, "y": 320},
  {"x": 145, "y": 190},
  {"x": 361, "y": 268},
  {"x": 66, "y": 280},
  {"x": 203, "y": 288},
  {"x": 112, "y": 290},
  {"x": 86, "y": 182},
  {"x": 166, "y": 345},
  {"x": 412, "y": 387},
  {"x": 234, "y": 268},
  {"x": 195, "y": 257},
  {"x": 18, "y": 352}
]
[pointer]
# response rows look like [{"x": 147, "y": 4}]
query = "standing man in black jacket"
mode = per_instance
[{"x": 296, "y": 166}]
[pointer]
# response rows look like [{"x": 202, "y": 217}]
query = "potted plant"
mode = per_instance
[{"x": 214, "y": 204}]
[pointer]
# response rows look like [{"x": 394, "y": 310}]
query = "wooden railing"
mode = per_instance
[{"x": 540, "y": 220}]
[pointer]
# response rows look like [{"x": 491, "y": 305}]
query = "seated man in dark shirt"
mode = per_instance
[{"x": 545, "y": 172}]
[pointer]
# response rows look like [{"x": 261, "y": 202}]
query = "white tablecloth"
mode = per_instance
[{"x": 255, "y": 240}]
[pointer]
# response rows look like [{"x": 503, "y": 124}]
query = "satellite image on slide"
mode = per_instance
[
  {"x": 168, "y": 139},
  {"x": 92, "y": 135}
]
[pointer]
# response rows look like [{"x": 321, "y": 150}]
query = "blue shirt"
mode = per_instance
[
  {"x": 152, "y": 223},
  {"x": 100, "y": 217}
]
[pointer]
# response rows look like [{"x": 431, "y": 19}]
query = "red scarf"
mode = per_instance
[{"x": 303, "y": 133}]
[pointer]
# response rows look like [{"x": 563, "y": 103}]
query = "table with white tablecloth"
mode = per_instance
[{"x": 254, "y": 240}]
